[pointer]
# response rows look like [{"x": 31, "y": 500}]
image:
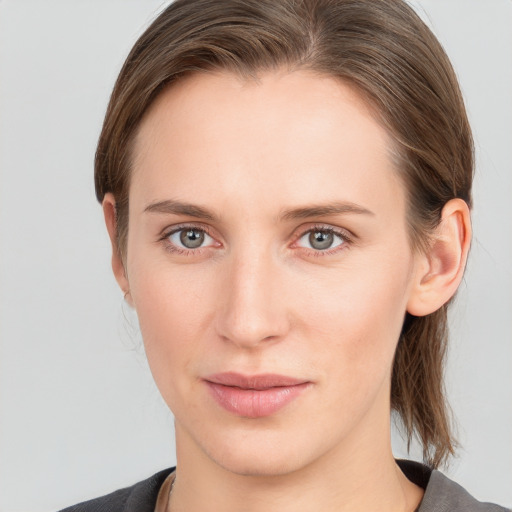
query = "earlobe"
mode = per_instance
[
  {"x": 109, "y": 213},
  {"x": 439, "y": 271}
]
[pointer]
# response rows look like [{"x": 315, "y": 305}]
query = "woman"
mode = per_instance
[{"x": 287, "y": 186}]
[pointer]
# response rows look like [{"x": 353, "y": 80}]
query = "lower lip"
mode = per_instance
[{"x": 254, "y": 403}]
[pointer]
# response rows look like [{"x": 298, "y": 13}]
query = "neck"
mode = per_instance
[{"x": 354, "y": 479}]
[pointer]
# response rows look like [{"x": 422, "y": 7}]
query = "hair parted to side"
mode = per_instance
[{"x": 382, "y": 49}]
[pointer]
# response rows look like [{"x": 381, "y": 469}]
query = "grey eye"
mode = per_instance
[
  {"x": 321, "y": 239},
  {"x": 190, "y": 238}
]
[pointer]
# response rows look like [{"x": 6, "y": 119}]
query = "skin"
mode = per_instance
[{"x": 257, "y": 297}]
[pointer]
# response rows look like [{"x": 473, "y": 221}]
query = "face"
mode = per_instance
[{"x": 269, "y": 264}]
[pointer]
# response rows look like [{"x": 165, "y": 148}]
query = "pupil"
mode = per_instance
[
  {"x": 320, "y": 240},
  {"x": 192, "y": 238}
]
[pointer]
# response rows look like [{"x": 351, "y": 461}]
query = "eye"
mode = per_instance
[
  {"x": 321, "y": 239},
  {"x": 189, "y": 238}
]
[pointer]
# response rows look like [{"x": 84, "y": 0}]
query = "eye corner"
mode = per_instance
[
  {"x": 174, "y": 241},
  {"x": 331, "y": 240}
]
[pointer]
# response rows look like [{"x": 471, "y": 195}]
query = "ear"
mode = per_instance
[
  {"x": 440, "y": 269},
  {"x": 109, "y": 212}
]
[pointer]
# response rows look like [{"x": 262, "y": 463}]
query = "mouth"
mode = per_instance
[{"x": 254, "y": 396}]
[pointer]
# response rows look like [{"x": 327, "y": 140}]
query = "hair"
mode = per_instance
[{"x": 390, "y": 57}]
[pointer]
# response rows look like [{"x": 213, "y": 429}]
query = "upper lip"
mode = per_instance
[{"x": 257, "y": 382}]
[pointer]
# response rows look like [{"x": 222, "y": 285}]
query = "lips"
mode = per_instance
[{"x": 254, "y": 396}]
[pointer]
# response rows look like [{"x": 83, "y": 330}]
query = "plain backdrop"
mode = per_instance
[{"x": 80, "y": 415}]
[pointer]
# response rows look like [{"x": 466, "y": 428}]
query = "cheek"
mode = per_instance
[
  {"x": 364, "y": 296},
  {"x": 172, "y": 308},
  {"x": 357, "y": 316}
]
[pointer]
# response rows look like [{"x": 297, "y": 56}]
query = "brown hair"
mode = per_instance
[{"x": 381, "y": 48}]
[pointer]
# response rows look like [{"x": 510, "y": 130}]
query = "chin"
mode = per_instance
[
  {"x": 262, "y": 452},
  {"x": 259, "y": 463}
]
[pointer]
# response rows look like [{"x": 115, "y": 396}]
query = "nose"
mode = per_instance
[{"x": 252, "y": 307}]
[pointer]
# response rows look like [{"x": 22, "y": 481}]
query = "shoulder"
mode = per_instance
[
  {"x": 140, "y": 497},
  {"x": 443, "y": 494}
]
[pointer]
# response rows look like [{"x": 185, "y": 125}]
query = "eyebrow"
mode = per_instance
[
  {"x": 171, "y": 206},
  {"x": 322, "y": 210}
]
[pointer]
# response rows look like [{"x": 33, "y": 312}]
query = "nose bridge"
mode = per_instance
[{"x": 251, "y": 311}]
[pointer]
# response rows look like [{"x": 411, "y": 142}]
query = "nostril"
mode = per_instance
[{"x": 249, "y": 328}]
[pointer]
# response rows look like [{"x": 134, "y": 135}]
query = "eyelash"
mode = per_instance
[
  {"x": 172, "y": 248},
  {"x": 347, "y": 240},
  {"x": 345, "y": 236}
]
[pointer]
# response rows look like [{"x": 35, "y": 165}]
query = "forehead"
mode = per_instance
[
  {"x": 306, "y": 134},
  {"x": 303, "y": 99}
]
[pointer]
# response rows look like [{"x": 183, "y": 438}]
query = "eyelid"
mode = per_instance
[
  {"x": 345, "y": 234},
  {"x": 170, "y": 230}
]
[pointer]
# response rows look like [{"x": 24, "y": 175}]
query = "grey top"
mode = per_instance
[
  {"x": 441, "y": 494},
  {"x": 444, "y": 495}
]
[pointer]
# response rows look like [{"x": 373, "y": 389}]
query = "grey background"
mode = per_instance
[{"x": 79, "y": 413}]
